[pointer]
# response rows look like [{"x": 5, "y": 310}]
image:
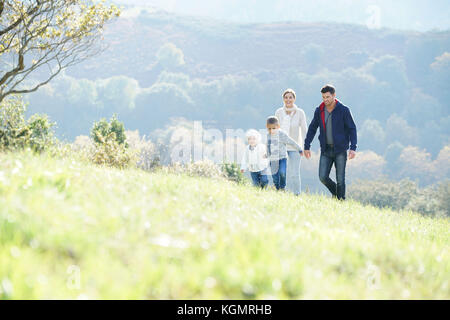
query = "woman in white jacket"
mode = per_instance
[
  {"x": 293, "y": 121},
  {"x": 255, "y": 159}
]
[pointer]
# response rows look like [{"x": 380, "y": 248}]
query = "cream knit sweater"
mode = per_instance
[{"x": 293, "y": 124}]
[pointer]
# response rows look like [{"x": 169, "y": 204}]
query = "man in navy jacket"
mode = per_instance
[{"x": 337, "y": 132}]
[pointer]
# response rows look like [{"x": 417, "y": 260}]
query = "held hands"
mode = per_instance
[{"x": 351, "y": 154}]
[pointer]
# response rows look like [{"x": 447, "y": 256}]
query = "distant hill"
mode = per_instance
[
  {"x": 160, "y": 66},
  {"x": 213, "y": 48}
]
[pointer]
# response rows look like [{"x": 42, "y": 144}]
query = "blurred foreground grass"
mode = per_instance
[{"x": 72, "y": 230}]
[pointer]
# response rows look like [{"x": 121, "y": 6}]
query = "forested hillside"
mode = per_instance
[{"x": 160, "y": 66}]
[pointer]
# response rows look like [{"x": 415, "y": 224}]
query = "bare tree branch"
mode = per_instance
[
  {"x": 20, "y": 66},
  {"x": 36, "y": 34},
  {"x": 19, "y": 20},
  {"x": 2, "y": 6}
]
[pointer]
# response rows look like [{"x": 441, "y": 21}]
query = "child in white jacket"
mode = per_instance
[{"x": 255, "y": 159}]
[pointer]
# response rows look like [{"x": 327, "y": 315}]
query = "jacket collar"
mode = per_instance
[
  {"x": 322, "y": 105},
  {"x": 322, "y": 112}
]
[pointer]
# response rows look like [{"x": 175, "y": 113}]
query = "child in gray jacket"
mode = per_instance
[{"x": 277, "y": 140}]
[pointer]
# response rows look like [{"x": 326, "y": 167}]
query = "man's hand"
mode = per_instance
[
  {"x": 307, "y": 154},
  {"x": 351, "y": 154}
]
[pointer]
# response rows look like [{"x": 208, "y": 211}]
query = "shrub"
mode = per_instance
[
  {"x": 383, "y": 193},
  {"x": 233, "y": 172},
  {"x": 103, "y": 128},
  {"x": 17, "y": 133},
  {"x": 109, "y": 152},
  {"x": 205, "y": 168},
  {"x": 83, "y": 146},
  {"x": 404, "y": 194},
  {"x": 147, "y": 155},
  {"x": 81, "y": 150},
  {"x": 110, "y": 144},
  {"x": 41, "y": 135},
  {"x": 433, "y": 200},
  {"x": 209, "y": 169},
  {"x": 163, "y": 153},
  {"x": 62, "y": 150},
  {"x": 443, "y": 195}
]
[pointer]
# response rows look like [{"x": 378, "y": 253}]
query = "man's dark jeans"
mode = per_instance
[{"x": 327, "y": 158}]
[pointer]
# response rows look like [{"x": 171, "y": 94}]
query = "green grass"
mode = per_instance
[{"x": 129, "y": 234}]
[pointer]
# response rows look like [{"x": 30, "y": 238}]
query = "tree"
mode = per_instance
[
  {"x": 390, "y": 69},
  {"x": 398, "y": 129},
  {"x": 392, "y": 155},
  {"x": 416, "y": 164},
  {"x": 170, "y": 56},
  {"x": 438, "y": 83},
  {"x": 43, "y": 37},
  {"x": 312, "y": 55},
  {"x": 442, "y": 164},
  {"x": 157, "y": 104},
  {"x": 420, "y": 52},
  {"x": 367, "y": 165},
  {"x": 103, "y": 128},
  {"x": 17, "y": 133},
  {"x": 372, "y": 136}
]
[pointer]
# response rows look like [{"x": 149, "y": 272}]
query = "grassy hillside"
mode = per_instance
[{"x": 72, "y": 230}]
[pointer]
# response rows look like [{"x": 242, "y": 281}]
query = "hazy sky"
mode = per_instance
[{"x": 419, "y": 15}]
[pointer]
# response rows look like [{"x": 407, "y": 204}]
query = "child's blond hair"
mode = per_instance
[{"x": 253, "y": 133}]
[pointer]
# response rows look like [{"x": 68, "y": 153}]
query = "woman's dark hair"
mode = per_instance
[
  {"x": 272, "y": 120},
  {"x": 328, "y": 88}
]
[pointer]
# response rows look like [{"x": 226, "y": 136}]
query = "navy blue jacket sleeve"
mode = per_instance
[
  {"x": 350, "y": 128},
  {"x": 312, "y": 130}
]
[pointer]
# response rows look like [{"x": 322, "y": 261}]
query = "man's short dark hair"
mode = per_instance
[
  {"x": 328, "y": 88},
  {"x": 272, "y": 120}
]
